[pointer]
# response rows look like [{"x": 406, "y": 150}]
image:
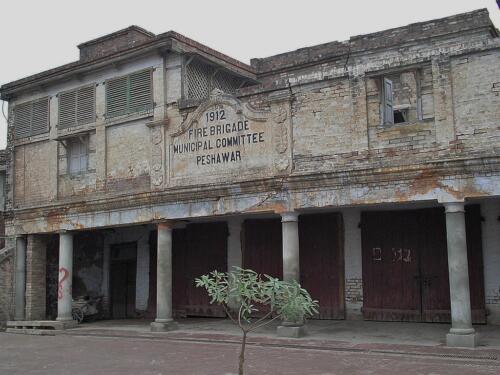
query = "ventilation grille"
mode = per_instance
[
  {"x": 201, "y": 79},
  {"x": 77, "y": 107},
  {"x": 129, "y": 94},
  {"x": 31, "y": 118}
]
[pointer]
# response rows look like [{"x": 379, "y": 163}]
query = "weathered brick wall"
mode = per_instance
[
  {"x": 36, "y": 254},
  {"x": 322, "y": 117},
  {"x": 354, "y": 290},
  {"x": 128, "y": 150},
  {"x": 119, "y": 41},
  {"x": 476, "y": 98},
  {"x": 33, "y": 170}
]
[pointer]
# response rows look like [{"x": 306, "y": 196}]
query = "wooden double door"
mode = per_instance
[
  {"x": 405, "y": 265},
  {"x": 321, "y": 256}
]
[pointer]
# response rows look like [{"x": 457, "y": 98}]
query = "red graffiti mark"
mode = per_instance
[{"x": 65, "y": 275}]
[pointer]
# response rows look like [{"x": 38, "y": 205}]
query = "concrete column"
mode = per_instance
[
  {"x": 291, "y": 267},
  {"x": 20, "y": 282},
  {"x": 234, "y": 255},
  {"x": 461, "y": 333},
  {"x": 64, "y": 291},
  {"x": 290, "y": 228},
  {"x": 164, "y": 321}
]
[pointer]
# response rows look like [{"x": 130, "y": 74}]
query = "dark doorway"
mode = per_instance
[
  {"x": 405, "y": 265},
  {"x": 322, "y": 262},
  {"x": 123, "y": 280}
]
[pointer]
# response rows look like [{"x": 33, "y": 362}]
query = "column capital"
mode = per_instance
[
  {"x": 165, "y": 224},
  {"x": 289, "y": 216},
  {"x": 452, "y": 207}
]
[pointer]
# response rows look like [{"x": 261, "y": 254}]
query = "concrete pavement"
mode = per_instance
[{"x": 81, "y": 355}]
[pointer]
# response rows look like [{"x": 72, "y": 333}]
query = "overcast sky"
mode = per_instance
[{"x": 39, "y": 35}]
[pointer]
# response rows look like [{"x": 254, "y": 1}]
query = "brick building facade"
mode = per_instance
[{"x": 367, "y": 169}]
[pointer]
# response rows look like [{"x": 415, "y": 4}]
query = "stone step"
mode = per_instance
[
  {"x": 46, "y": 325},
  {"x": 36, "y": 332}
]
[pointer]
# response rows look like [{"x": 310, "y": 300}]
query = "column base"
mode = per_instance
[
  {"x": 467, "y": 340},
  {"x": 67, "y": 322},
  {"x": 291, "y": 331},
  {"x": 164, "y": 326}
]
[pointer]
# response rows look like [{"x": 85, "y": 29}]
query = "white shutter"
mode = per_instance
[{"x": 388, "y": 103}]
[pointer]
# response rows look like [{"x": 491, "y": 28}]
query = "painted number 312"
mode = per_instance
[{"x": 216, "y": 115}]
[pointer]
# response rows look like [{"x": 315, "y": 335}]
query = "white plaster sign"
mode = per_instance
[{"x": 223, "y": 136}]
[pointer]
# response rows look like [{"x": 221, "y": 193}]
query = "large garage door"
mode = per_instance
[
  {"x": 322, "y": 262},
  {"x": 405, "y": 265},
  {"x": 262, "y": 249},
  {"x": 206, "y": 246}
]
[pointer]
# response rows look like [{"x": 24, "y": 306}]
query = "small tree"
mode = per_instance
[{"x": 248, "y": 292}]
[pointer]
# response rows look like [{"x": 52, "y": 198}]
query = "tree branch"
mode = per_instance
[
  {"x": 263, "y": 324},
  {"x": 228, "y": 313}
]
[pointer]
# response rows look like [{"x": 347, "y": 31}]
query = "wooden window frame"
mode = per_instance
[{"x": 82, "y": 140}]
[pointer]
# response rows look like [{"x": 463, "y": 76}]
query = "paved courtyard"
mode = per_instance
[{"x": 202, "y": 355}]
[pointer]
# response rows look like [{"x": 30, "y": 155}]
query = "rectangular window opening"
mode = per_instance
[
  {"x": 400, "y": 116},
  {"x": 78, "y": 155}
]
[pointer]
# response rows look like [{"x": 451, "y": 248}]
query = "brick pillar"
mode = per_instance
[{"x": 36, "y": 256}]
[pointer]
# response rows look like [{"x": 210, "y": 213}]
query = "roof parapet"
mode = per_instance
[{"x": 117, "y": 41}]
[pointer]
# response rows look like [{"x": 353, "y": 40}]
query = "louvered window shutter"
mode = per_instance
[
  {"x": 116, "y": 97},
  {"x": 22, "y": 120},
  {"x": 85, "y": 105},
  {"x": 388, "y": 103},
  {"x": 77, "y": 107},
  {"x": 67, "y": 109},
  {"x": 129, "y": 94},
  {"x": 31, "y": 118},
  {"x": 141, "y": 98}
]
